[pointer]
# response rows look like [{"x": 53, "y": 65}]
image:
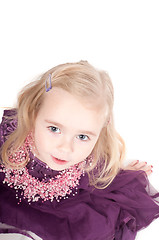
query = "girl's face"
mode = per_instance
[{"x": 65, "y": 130}]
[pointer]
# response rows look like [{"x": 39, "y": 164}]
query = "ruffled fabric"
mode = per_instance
[
  {"x": 127, "y": 205},
  {"x": 8, "y": 124}
]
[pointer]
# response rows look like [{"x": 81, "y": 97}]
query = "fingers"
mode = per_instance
[
  {"x": 136, "y": 165},
  {"x": 148, "y": 172},
  {"x": 133, "y": 163},
  {"x": 141, "y": 165}
]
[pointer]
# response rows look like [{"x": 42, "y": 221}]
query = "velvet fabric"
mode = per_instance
[{"x": 127, "y": 205}]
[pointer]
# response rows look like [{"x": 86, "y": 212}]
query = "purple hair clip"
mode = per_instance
[{"x": 50, "y": 86}]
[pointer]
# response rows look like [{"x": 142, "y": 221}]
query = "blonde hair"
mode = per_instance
[{"x": 91, "y": 86}]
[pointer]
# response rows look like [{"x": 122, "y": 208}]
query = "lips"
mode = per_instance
[{"x": 59, "y": 161}]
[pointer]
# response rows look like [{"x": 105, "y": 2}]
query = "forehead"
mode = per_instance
[{"x": 59, "y": 105}]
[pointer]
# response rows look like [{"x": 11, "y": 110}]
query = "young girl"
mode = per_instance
[{"x": 61, "y": 162}]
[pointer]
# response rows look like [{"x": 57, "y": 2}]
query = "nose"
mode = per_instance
[{"x": 65, "y": 145}]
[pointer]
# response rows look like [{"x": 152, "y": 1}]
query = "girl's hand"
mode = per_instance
[{"x": 137, "y": 165}]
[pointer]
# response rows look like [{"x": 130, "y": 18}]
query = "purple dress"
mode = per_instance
[{"x": 127, "y": 205}]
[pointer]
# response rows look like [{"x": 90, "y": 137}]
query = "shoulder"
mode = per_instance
[
  {"x": 8, "y": 123},
  {"x": 7, "y": 112}
]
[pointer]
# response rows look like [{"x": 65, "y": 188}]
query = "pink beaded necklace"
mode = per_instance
[{"x": 31, "y": 188}]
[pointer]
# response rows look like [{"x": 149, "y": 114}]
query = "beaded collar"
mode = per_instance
[
  {"x": 32, "y": 189},
  {"x": 27, "y": 183}
]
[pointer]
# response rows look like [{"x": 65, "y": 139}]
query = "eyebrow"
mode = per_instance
[{"x": 61, "y": 126}]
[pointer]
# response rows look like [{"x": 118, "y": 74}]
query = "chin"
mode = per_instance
[{"x": 57, "y": 167}]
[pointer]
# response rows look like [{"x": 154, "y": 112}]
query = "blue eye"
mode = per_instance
[
  {"x": 83, "y": 137},
  {"x": 54, "y": 129}
]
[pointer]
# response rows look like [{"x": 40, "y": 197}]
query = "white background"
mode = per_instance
[{"x": 121, "y": 37}]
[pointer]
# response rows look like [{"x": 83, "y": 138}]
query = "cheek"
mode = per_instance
[
  {"x": 39, "y": 139},
  {"x": 91, "y": 147},
  {"x": 44, "y": 140},
  {"x": 86, "y": 149}
]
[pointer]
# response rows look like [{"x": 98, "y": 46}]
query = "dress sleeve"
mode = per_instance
[{"x": 135, "y": 201}]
